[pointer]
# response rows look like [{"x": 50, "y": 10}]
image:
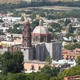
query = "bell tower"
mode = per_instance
[{"x": 26, "y": 34}]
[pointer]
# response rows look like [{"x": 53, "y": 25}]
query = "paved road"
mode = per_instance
[
  {"x": 52, "y": 7},
  {"x": 61, "y": 8}
]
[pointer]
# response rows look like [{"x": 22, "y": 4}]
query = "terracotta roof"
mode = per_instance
[
  {"x": 77, "y": 49},
  {"x": 64, "y": 51}
]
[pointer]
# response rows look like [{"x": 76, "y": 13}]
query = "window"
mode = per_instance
[
  {"x": 62, "y": 56},
  {"x": 70, "y": 57},
  {"x": 24, "y": 49},
  {"x": 67, "y": 57},
  {"x": 25, "y": 69},
  {"x": 39, "y": 68},
  {"x": 32, "y": 67},
  {"x": 74, "y": 57}
]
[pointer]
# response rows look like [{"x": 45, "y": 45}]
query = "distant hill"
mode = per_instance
[{"x": 12, "y": 5}]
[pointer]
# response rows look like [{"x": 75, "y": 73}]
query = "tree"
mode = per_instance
[
  {"x": 17, "y": 76},
  {"x": 72, "y": 46},
  {"x": 50, "y": 29},
  {"x": 56, "y": 26},
  {"x": 73, "y": 71},
  {"x": 55, "y": 78},
  {"x": 32, "y": 76},
  {"x": 46, "y": 70},
  {"x": 78, "y": 60},
  {"x": 42, "y": 14},
  {"x": 78, "y": 33},
  {"x": 2, "y": 76},
  {"x": 15, "y": 30},
  {"x": 54, "y": 35},
  {"x": 1, "y": 57},
  {"x": 12, "y": 63},
  {"x": 41, "y": 76},
  {"x": 33, "y": 15},
  {"x": 37, "y": 76},
  {"x": 50, "y": 71},
  {"x": 55, "y": 71},
  {"x": 48, "y": 61},
  {"x": 35, "y": 23},
  {"x": 68, "y": 34},
  {"x": 1, "y": 20},
  {"x": 17, "y": 25},
  {"x": 67, "y": 21},
  {"x": 6, "y": 62},
  {"x": 18, "y": 60},
  {"x": 71, "y": 29},
  {"x": 1, "y": 32}
]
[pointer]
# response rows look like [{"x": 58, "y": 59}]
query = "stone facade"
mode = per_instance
[
  {"x": 43, "y": 50},
  {"x": 28, "y": 53}
]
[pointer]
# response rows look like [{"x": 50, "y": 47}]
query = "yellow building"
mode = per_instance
[{"x": 6, "y": 43}]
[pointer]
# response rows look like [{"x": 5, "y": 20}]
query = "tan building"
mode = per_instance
[
  {"x": 9, "y": 1},
  {"x": 35, "y": 65},
  {"x": 31, "y": 66}
]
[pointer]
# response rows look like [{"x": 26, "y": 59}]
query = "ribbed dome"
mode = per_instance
[{"x": 40, "y": 30}]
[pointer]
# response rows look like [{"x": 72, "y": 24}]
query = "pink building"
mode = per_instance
[{"x": 33, "y": 66}]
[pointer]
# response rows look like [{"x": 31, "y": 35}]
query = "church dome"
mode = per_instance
[{"x": 40, "y": 30}]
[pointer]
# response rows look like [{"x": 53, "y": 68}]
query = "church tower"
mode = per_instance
[
  {"x": 26, "y": 42},
  {"x": 26, "y": 34}
]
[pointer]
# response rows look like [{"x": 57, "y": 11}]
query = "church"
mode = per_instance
[{"x": 37, "y": 45}]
